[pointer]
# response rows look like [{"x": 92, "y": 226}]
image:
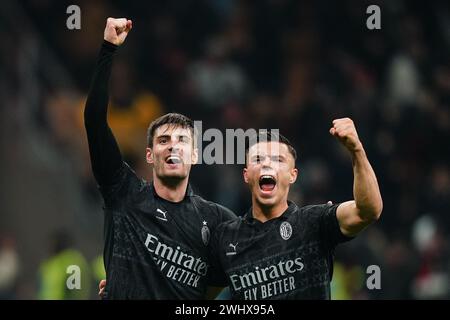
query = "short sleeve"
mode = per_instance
[{"x": 330, "y": 229}]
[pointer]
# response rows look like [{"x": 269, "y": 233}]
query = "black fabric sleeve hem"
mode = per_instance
[{"x": 110, "y": 47}]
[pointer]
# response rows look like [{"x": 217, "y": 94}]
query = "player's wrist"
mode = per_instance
[
  {"x": 109, "y": 46},
  {"x": 358, "y": 151}
]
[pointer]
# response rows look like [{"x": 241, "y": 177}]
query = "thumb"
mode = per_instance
[
  {"x": 333, "y": 131},
  {"x": 129, "y": 25},
  {"x": 120, "y": 24}
]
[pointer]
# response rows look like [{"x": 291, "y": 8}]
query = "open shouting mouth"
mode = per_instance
[
  {"x": 173, "y": 159},
  {"x": 267, "y": 182}
]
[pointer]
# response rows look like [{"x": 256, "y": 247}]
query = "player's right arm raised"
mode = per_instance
[{"x": 106, "y": 159}]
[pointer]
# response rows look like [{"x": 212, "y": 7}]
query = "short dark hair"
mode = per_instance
[
  {"x": 175, "y": 119},
  {"x": 267, "y": 136}
]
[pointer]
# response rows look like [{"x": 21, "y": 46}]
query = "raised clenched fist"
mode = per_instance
[
  {"x": 344, "y": 130},
  {"x": 116, "y": 30}
]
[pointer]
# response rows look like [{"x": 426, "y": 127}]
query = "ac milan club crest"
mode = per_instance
[
  {"x": 205, "y": 233},
  {"x": 285, "y": 230}
]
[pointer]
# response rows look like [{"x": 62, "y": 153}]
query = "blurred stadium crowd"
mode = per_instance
[{"x": 292, "y": 65}]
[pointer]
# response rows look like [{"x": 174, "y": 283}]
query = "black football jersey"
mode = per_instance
[
  {"x": 154, "y": 248},
  {"x": 289, "y": 257}
]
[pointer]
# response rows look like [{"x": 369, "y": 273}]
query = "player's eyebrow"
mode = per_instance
[{"x": 166, "y": 136}]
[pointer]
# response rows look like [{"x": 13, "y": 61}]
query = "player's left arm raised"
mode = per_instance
[{"x": 355, "y": 215}]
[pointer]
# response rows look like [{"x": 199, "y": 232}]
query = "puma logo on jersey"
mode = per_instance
[
  {"x": 231, "y": 251},
  {"x": 163, "y": 213}
]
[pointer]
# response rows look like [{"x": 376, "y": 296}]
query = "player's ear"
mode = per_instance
[
  {"x": 245, "y": 174},
  {"x": 149, "y": 155},
  {"x": 294, "y": 174}
]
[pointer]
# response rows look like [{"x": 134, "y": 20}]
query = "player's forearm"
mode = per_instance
[
  {"x": 104, "y": 152},
  {"x": 97, "y": 102},
  {"x": 366, "y": 191}
]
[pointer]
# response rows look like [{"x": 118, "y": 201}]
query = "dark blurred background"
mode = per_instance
[{"x": 292, "y": 65}]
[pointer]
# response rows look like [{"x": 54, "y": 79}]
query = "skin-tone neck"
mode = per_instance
[
  {"x": 264, "y": 213},
  {"x": 171, "y": 190}
]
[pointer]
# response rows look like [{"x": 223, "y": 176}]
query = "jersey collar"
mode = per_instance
[
  {"x": 292, "y": 207},
  {"x": 189, "y": 192}
]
